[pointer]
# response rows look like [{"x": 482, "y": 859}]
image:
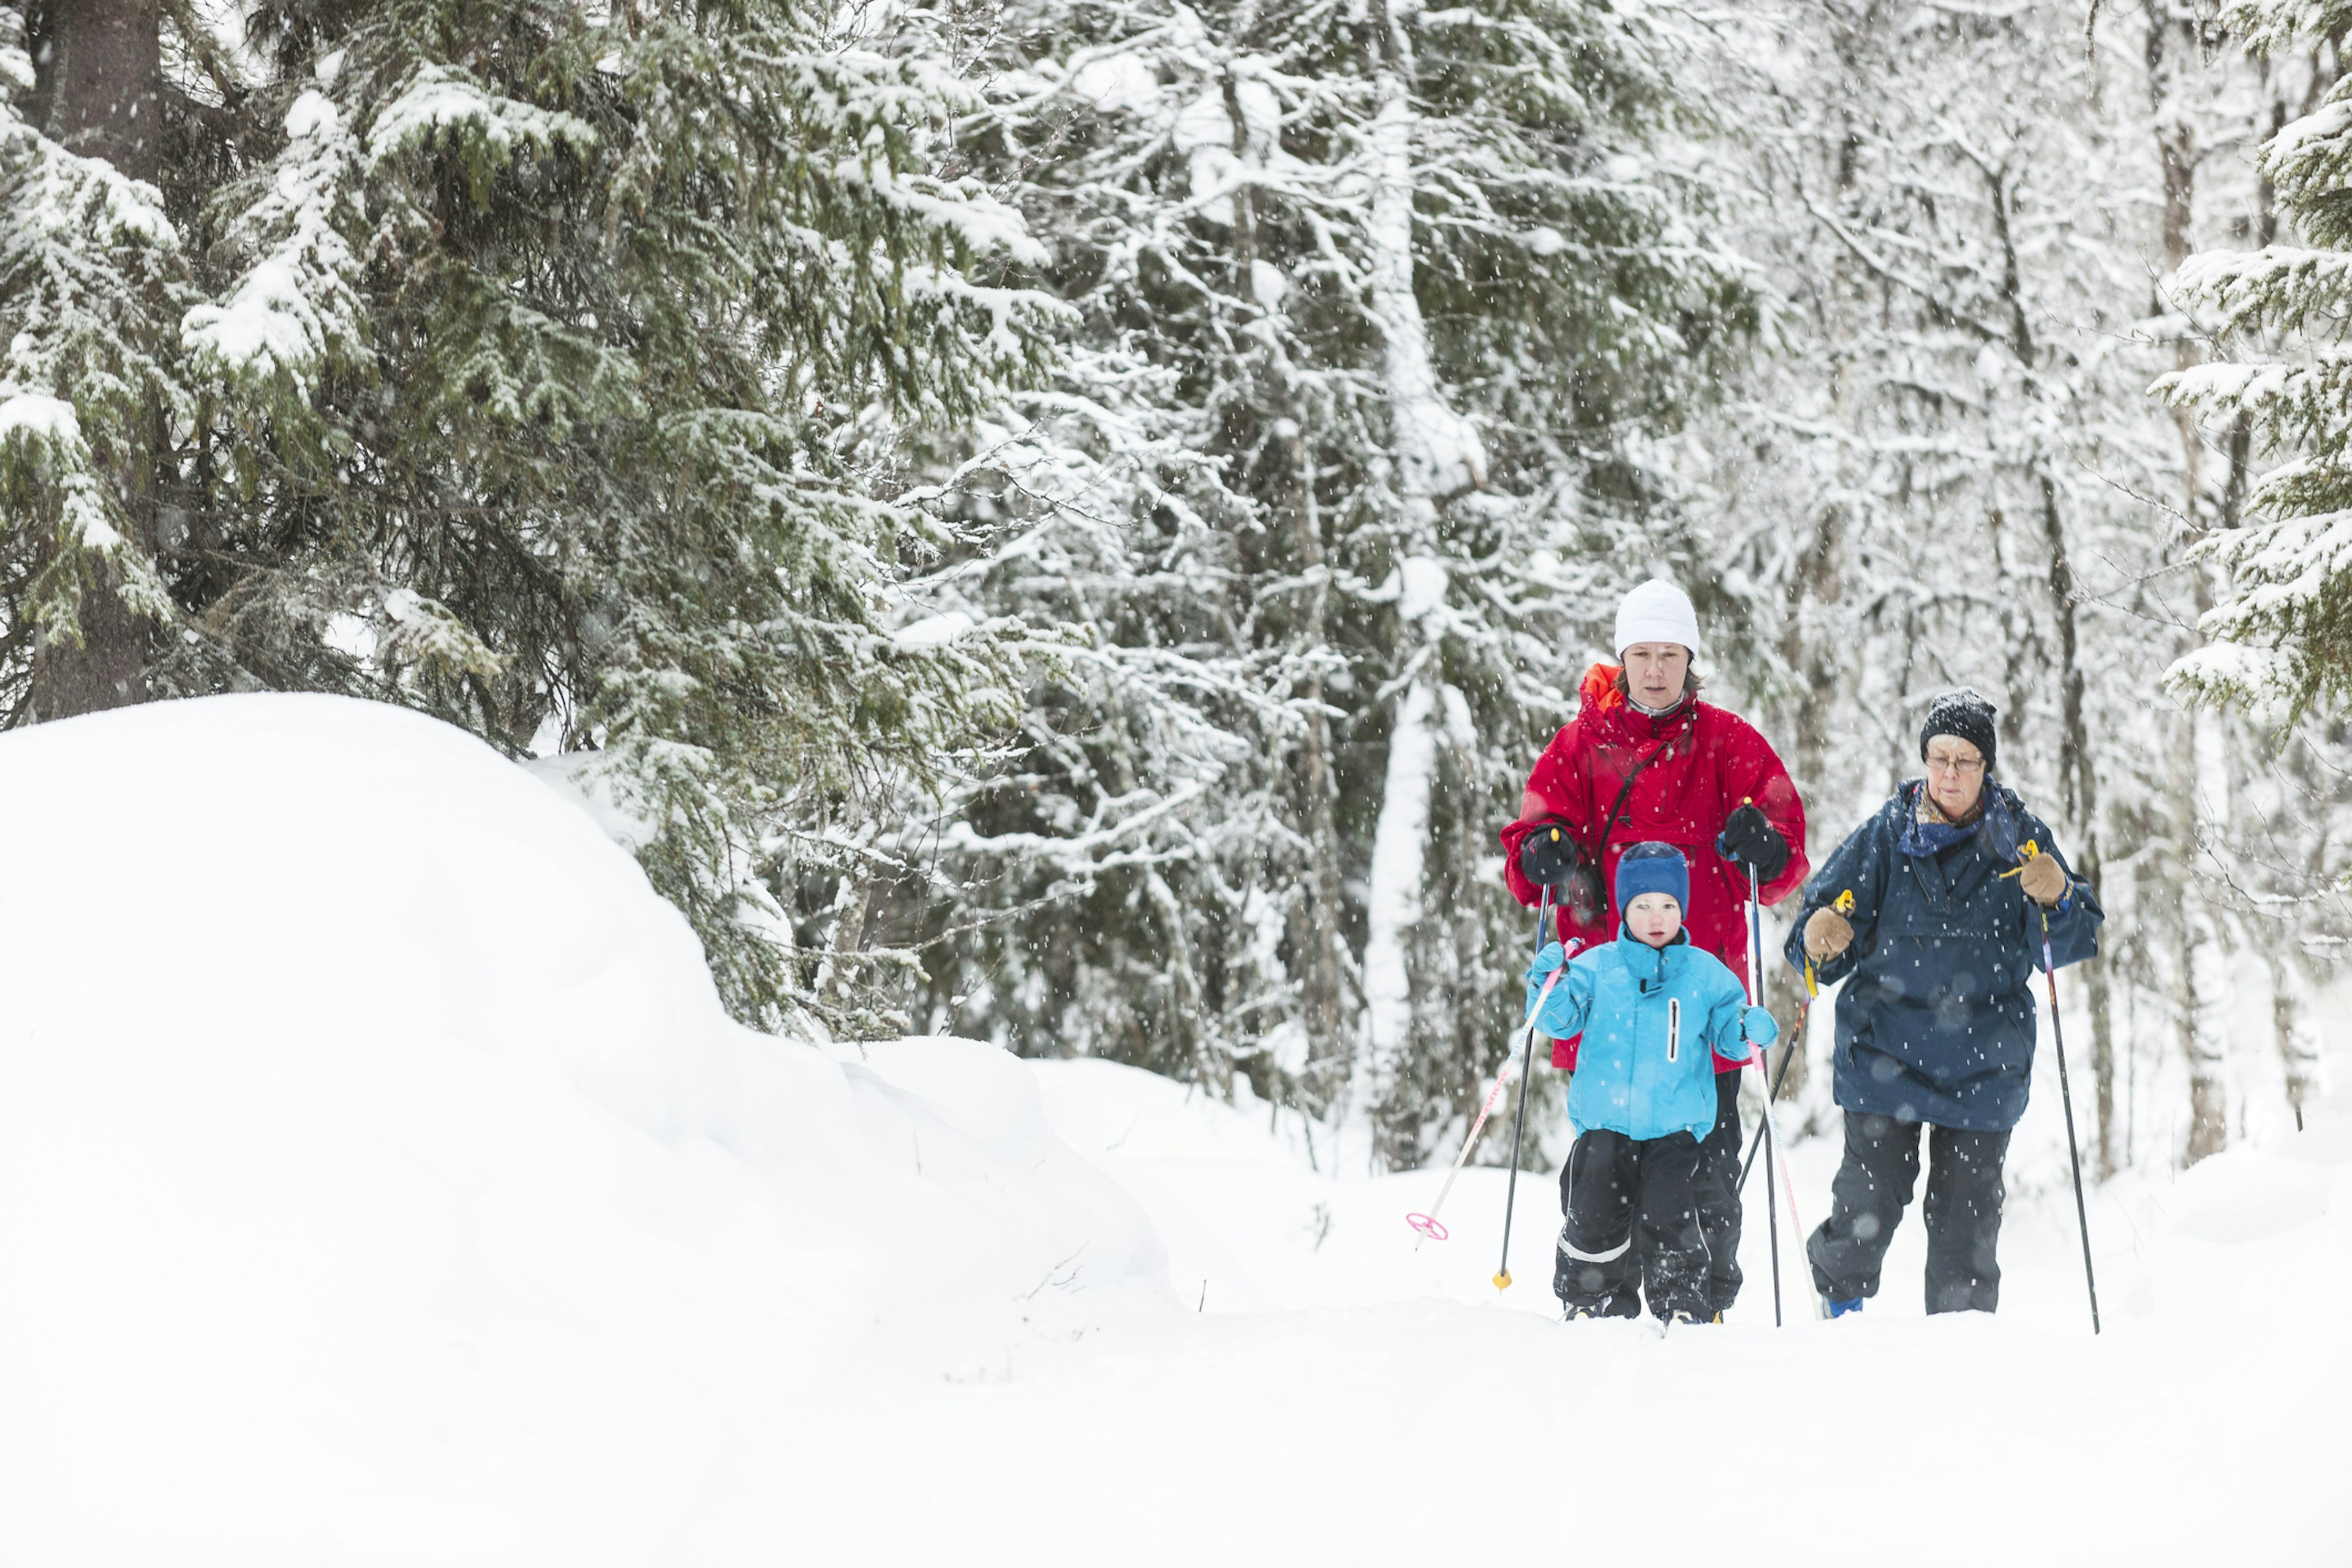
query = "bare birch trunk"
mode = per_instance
[
  {"x": 2298, "y": 1047},
  {"x": 2196, "y": 960},
  {"x": 1434, "y": 452},
  {"x": 2208, "y": 1118}
]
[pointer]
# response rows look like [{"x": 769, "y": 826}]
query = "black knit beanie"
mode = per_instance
[{"x": 1964, "y": 715}]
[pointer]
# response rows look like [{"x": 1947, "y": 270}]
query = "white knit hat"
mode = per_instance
[{"x": 1657, "y": 611}]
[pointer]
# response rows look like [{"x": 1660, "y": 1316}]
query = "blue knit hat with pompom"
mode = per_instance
[{"x": 1652, "y": 868}]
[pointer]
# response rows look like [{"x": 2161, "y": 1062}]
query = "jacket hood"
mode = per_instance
[{"x": 1598, "y": 690}]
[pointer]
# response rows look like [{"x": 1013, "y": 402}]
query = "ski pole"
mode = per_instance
[
  {"x": 1756, "y": 998},
  {"x": 1844, "y": 905},
  {"x": 1804, "y": 1013},
  {"x": 1519, "y": 1122},
  {"x": 1427, "y": 1224},
  {"x": 2066, "y": 1096},
  {"x": 1788, "y": 1192}
]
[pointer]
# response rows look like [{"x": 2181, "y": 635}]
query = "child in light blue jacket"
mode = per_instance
[{"x": 1652, "y": 1010}]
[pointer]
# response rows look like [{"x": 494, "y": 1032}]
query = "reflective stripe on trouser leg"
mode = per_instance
[{"x": 1570, "y": 1248}]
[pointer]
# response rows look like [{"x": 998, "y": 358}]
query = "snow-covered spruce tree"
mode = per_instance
[
  {"x": 538, "y": 366},
  {"x": 2276, "y": 664},
  {"x": 1373, "y": 304},
  {"x": 2281, "y": 638}
]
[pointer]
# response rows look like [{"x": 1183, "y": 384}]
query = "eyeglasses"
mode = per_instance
[{"x": 1963, "y": 767}]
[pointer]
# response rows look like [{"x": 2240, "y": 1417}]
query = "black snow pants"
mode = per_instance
[
  {"x": 1631, "y": 1222},
  {"x": 1717, "y": 1190},
  {"x": 1873, "y": 1188}
]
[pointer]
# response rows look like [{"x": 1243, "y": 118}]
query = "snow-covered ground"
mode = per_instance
[
  {"x": 380, "y": 1183},
  {"x": 1343, "y": 1398}
]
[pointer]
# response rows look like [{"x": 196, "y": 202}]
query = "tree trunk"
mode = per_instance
[
  {"x": 1322, "y": 938},
  {"x": 2078, "y": 784},
  {"x": 2192, "y": 980},
  {"x": 2197, "y": 964},
  {"x": 1818, "y": 658},
  {"x": 2096, "y": 982},
  {"x": 1435, "y": 453},
  {"x": 1325, "y": 975},
  {"x": 2298, "y": 1050},
  {"x": 1394, "y": 912},
  {"x": 102, "y": 88},
  {"x": 2078, "y": 795}
]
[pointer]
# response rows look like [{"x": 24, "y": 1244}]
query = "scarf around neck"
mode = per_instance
[{"x": 1930, "y": 832}]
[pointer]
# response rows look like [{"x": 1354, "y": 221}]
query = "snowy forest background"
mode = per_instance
[{"x": 1069, "y": 521}]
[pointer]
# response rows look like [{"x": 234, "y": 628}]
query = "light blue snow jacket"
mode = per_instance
[{"x": 1650, "y": 1017}]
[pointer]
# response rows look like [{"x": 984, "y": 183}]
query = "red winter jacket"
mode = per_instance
[{"x": 1712, "y": 763}]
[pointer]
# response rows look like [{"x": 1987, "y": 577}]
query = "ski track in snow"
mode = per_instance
[{"x": 380, "y": 1184}]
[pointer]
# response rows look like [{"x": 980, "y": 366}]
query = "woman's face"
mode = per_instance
[
  {"x": 1655, "y": 672},
  {"x": 1956, "y": 772}
]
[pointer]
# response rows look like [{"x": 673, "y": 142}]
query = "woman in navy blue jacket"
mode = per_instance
[{"x": 1933, "y": 913}]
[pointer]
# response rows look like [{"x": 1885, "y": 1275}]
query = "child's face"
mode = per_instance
[{"x": 1654, "y": 918}]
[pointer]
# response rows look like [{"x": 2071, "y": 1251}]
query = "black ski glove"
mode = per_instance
[
  {"x": 1550, "y": 854},
  {"x": 1750, "y": 839}
]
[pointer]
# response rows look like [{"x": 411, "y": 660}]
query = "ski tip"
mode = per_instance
[{"x": 1503, "y": 1280}]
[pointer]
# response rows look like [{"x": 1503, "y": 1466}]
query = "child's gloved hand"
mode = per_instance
[
  {"x": 1758, "y": 1028},
  {"x": 1553, "y": 956}
]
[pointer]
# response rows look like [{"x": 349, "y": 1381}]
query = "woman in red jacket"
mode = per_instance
[{"x": 1645, "y": 760}]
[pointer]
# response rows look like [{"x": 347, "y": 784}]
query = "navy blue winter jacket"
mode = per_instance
[{"x": 1935, "y": 1023}]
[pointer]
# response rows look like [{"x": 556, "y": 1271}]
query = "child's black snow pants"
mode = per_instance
[
  {"x": 1717, "y": 1190},
  {"x": 1632, "y": 1224},
  {"x": 1874, "y": 1186}
]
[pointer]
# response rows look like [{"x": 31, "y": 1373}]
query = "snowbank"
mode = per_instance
[{"x": 380, "y": 1181}]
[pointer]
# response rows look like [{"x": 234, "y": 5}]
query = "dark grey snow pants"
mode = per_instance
[{"x": 1874, "y": 1186}]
